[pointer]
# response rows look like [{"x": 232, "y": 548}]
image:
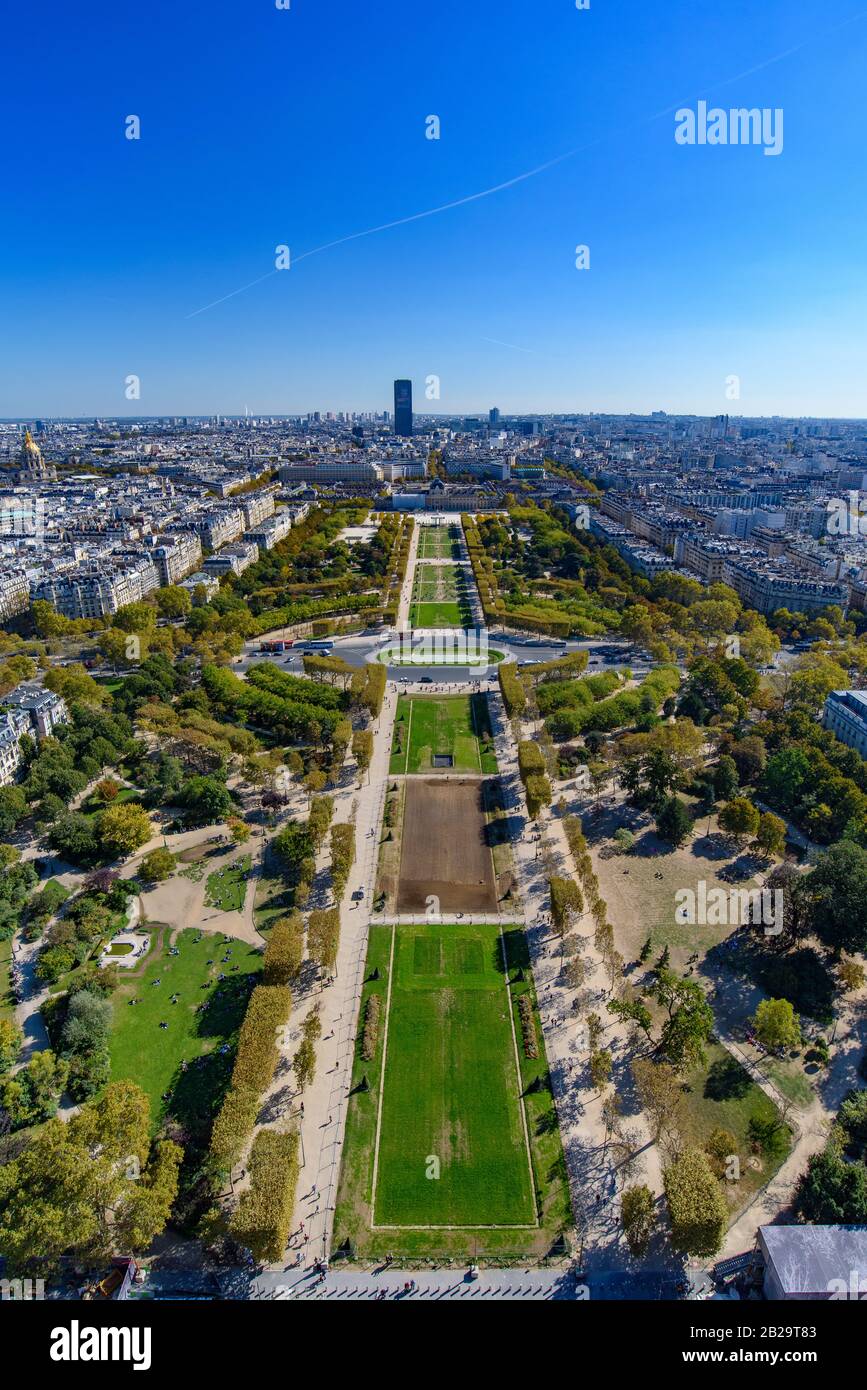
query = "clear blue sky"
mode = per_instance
[{"x": 262, "y": 126}]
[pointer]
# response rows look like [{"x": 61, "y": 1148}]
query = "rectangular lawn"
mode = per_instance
[
  {"x": 446, "y": 726},
  {"x": 443, "y": 614},
  {"x": 451, "y": 1088}
]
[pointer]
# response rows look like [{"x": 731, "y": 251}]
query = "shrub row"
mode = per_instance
[
  {"x": 342, "y": 856},
  {"x": 264, "y": 1215},
  {"x": 285, "y": 950},
  {"x": 530, "y": 759},
  {"x": 370, "y": 1031},
  {"x": 528, "y": 1026},
  {"x": 255, "y": 1063}
]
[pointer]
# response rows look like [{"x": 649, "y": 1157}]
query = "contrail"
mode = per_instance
[{"x": 539, "y": 168}]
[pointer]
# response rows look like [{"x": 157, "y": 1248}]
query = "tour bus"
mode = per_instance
[{"x": 321, "y": 648}]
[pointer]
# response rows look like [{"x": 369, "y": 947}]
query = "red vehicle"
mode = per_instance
[{"x": 282, "y": 646}]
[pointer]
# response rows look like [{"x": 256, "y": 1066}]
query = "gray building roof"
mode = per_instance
[{"x": 806, "y": 1259}]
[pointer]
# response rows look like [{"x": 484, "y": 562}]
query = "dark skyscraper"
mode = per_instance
[{"x": 403, "y": 408}]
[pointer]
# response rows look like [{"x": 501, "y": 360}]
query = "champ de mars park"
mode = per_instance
[{"x": 437, "y": 953}]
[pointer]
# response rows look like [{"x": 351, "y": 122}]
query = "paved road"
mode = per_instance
[{"x": 359, "y": 648}]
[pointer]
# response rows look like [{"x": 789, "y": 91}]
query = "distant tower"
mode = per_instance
[
  {"x": 403, "y": 408},
  {"x": 493, "y": 416}
]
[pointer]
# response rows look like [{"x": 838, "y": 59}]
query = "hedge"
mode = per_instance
[
  {"x": 370, "y": 1031},
  {"x": 284, "y": 950},
  {"x": 511, "y": 689},
  {"x": 530, "y": 759},
  {"x": 342, "y": 856},
  {"x": 268, "y": 1009},
  {"x": 528, "y": 1026},
  {"x": 567, "y": 902},
  {"x": 264, "y": 1215},
  {"x": 696, "y": 1205},
  {"x": 232, "y": 1127},
  {"x": 539, "y": 793}
]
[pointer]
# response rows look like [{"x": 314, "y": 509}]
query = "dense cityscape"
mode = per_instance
[
  {"x": 629, "y": 646},
  {"x": 433, "y": 676}
]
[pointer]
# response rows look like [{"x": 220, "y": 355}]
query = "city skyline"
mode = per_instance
[{"x": 708, "y": 270}]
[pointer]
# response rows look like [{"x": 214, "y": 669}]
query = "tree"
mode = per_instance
[
  {"x": 362, "y": 749},
  {"x": 696, "y": 1205},
  {"x": 11, "y": 1039},
  {"x": 239, "y": 830},
  {"x": 624, "y": 840},
  {"x": 771, "y": 835},
  {"x": 123, "y": 829},
  {"x": 835, "y": 894},
  {"x": 156, "y": 866},
  {"x": 600, "y": 1068},
  {"x": 776, "y": 1026},
  {"x": 206, "y": 800},
  {"x": 725, "y": 779},
  {"x": 750, "y": 757},
  {"x": 566, "y": 903},
  {"x": 284, "y": 953},
  {"x": 637, "y": 1216},
  {"x": 674, "y": 823},
  {"x": 739, "y": 818},
  {"x": 88, "y": 1022},
  {"x": 304, "y": 1063},
  {"x": 91, "y": 1187},
  {"x": 852, "y": 974},
  {"x": 632, "y": 1010},
  {"x": 34, "y": 1092},
  {"x": 690, "y": 1019},
  {"x": 172, "y": 601},
  {"x": 313, "y": 783}
]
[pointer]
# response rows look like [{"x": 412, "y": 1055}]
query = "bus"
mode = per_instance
[{"x": 321, "y": 648}]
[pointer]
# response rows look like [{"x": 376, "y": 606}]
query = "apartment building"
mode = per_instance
[
  {"x": 177, "y": 556},
  {"x": 232, "y": 559},
  {"x": 41, "y": 709},
  {"x": 99, "y": 588},
  {"x": 257, "y": 506},
  {"x": 220, "y": 526},
  {"x": 270, "y": 531},
  {"x": 845, "y": 715},
  {"x": 770, "y": 588},
  {"x": 14, "y": 593}
]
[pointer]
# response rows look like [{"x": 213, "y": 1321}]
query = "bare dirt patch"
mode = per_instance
[{"x": 445, "y": 849}]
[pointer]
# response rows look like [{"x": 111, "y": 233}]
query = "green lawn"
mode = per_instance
[
  {"x": 439, "y": 543},
  {"x": 226, "y": 888},
  {"x": 453, "y": 1091},
  {"x": 447, "y": 724},
  {"x": 94, "y": 806},
  {"x": 152, "y": 1056},
  {"x": 390, "y": 656},
  {"x": 721, "y": 1095},
  {"x": 444, "y": 614}
]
